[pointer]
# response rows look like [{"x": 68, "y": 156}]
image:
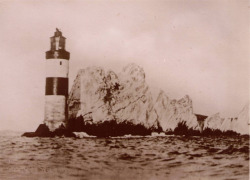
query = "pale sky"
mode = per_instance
[{"x": 195, "y": 47}]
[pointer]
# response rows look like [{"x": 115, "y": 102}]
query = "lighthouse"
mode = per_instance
[{"x": 56, "y": 90}]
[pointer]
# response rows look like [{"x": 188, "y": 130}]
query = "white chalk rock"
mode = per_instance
[
  {"x": 213, "y": 122},
  {"x": 237, "y": 124},
  {"x": 134, "y": 102},
  {"x": 241, "y": 124},
  {"x": 227, "y": 124},
  {"x": 101, "y": 97},
  {"x": 89, "y": 91},
  {"x": 171, "y": 112}
]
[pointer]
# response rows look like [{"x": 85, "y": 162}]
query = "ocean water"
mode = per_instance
[{"x": 146, "y": 158}]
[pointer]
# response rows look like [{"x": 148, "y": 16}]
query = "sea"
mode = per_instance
[{"x": 124, "y": 158}]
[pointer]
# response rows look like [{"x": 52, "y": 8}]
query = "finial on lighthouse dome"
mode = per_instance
[
  {"x": 58, "y": 32},
  {"x": 57, "y": 47}
]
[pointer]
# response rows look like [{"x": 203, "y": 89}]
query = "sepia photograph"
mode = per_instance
[{"x": 124, "y": 90}]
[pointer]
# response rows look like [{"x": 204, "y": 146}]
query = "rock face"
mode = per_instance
[
  {"x": 238, "y": 124},
  {"x": 213, "y": 122},
  {"x": 241, "y": 124},
  {"x": 125, "y": 97},
  {"x": 44, "y": 131},
  {"x": 172, "y": 112},
  {"x": 100, "y": 96}
]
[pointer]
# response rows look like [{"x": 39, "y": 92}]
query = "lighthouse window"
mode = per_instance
[{"x": 60, "y": 62}]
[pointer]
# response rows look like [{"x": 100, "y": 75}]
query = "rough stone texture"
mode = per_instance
[
  {"x": 105, "y": 96},
  {"x": 134, "y": 101},
  {"x": 241, "y": 124},
  {"x": 237, "y": 124},
  {"x": 226, "y": 124},
  {"x": 100, "y": 96},
  {"x": 74, "y": 97},
  {"x": 172, "y": 112},
  {"x": 214, "y": 122}
]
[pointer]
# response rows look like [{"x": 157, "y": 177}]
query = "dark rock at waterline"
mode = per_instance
[
  {"x": 29, "y": 134},
  {"x": 182, "y": 129},
  {"x": 112, "y": 129},
  {"x": 43, "y": 131},
  {"x": 217, "y": 132},
  {"x": 109, "y": 128}
]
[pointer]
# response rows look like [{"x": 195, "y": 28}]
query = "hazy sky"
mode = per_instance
[{"x": 195, "y": 47}]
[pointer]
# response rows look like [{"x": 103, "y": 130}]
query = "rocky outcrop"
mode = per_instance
[
  {"x": 201, "y": 120},
  {"x": 99, "y": 97},
  {"x": 134, "y": 102},
  {"x": 108, "y": 104},
  {"x": 213, "y": 122},
  {"x": 241, "y": 124},
  {"x": 237, "y": 124},
  {"x": 172, "y": 112},
  {"x": 44, "y": 131}
]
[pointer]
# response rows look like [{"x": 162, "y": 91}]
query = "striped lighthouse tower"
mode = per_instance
[{"x": 56, "y": 91}]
